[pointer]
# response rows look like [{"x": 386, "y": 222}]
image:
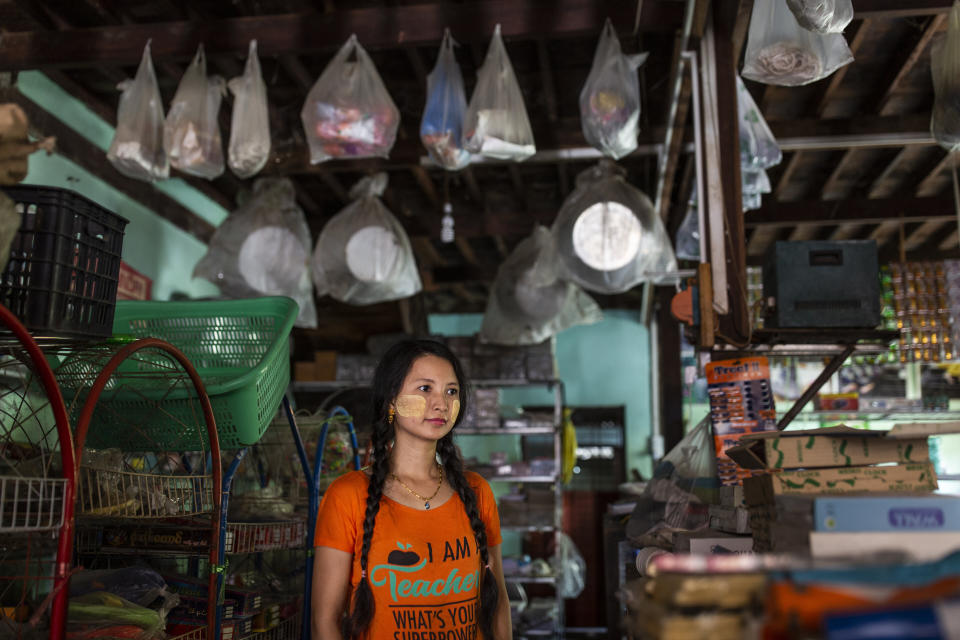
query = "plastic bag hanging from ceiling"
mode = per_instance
[
  {"x": 441, "y": 129},
  {"x": 363, "y": 255},
  {"x": 191, "y": 133},
  {"x": 497, "y": 125},
  {"x": 249, "y": 145},
  {"x": 822, "y": 16},
  {"x": 758, "y": 147},
  {"x": 528, "y": 303},
  {"x": 781, "y": 52},
  {"x": 137, "y": 147},
  {"x": 263, "y": 248},
  {"x": 348, "y": 112},
  {"x": 607, "y": 234},
  {"x": 945, "y": 67},
  {"x": 610, "y": 98}
]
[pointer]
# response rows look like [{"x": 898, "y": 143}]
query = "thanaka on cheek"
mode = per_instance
[
  {"x": 410, "y": 406},
  {"x": 454, "y": 411}
]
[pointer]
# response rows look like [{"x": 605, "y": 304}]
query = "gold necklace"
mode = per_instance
[{"x": 426, "y": 501}]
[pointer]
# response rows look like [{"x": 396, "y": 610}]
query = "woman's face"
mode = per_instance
[{"x": 429, "y": 399}]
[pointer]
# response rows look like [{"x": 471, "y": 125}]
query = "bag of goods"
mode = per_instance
[
  {"x": 497, "y": 125},
  {"x": 249, "y": 145},
  {"x": 529, "y": 302},
  {"x": 607, "y": 234},
  {"x": 945, "y": 67},
  {"x": 441, "y": 129},
  {"x": 610, "y": 98},
  {"x": 363, "y": 255},
  {"x": 822, "y": 16},
  {"x": 137, "y": 147},
  {"x": 781, "y": 52},
  {"x": 263, "y": 248},
  {"x": 348, "y": 112},
  {"x": 191, "y": 134}
]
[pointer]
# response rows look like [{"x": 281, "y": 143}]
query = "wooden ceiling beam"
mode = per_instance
[
  {"x": 855, "y": 36},
  {"x": 887, "y": 9},
  {"x": 852, "y": 210},
  {"x": 788, "y": 170},
  {"x": 830, "y": 190},
  {"x": 907, "y": 60},
  {"x": 877, "y": 187},
  {"x": 376, "y": 28},
  {"x": 926, "y": 186},
  {"x": 546, "y": 81}
]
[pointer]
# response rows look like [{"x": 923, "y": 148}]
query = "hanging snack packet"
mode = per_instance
[
  {"x": 781, "y": 52},
  {"x": 822, "y": 16},
  {"x": 137, "y": 147},
  {"x": 263, "y": 248},
  {"x": 945, "y": 67},
  {"x": 497, "y": 125},
  {"x": 363, "y": 255},
  {"x": 348, "y": 112},
  {"x": 610, "y": 98},
  {"x": 191, "y": 134},
  {"x": 250, "y": 124},
  {"x": 441, "y": 129}
]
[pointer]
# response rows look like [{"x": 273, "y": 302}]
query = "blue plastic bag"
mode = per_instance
[{"x": 441, "y": 129}]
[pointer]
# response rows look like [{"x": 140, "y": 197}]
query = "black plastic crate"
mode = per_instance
[{"x": 61, "y": 278}]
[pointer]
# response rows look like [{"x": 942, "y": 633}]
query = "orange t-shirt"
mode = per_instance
[{"x": 423, "y": 566}]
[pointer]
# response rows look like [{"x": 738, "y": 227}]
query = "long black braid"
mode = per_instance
[{"x": 387, "y": 382}]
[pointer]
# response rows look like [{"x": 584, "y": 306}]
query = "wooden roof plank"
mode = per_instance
[
  {"x": 905, "y": 64},
  {"x": 855, "y": 37},
  {"x": 859, "y": 210}
]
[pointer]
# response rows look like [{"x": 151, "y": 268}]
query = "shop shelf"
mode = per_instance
[
  {"x": 551, "y": 478},
  {"x": 128, "y": 494},
  {"x": 200, "y": 633},
  {"x": 528, "y": 528},
  {"x": 253, "y": 537},
  {"x": 531, "y": 579},
  {"x": 31, "y": 504}
]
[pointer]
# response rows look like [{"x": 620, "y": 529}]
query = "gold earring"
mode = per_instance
[{"x": 390, "y": 413}]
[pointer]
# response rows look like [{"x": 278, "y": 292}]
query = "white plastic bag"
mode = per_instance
[
  {"x": 945, "y": 67},
  {"x": 608, "y": 236},
  {"x": 263, "y": 248},
  {"x": 348, "y": 112},
  {"x": 249, "y": 145},
  {"x": 780, "y": 51},
  {"x": 758, "y": 147},
  {"x": 528, "y": 303},
  {"x": 191, "y": 134},
  {"x": 497, "y": 125},
  {"x": 822, "y": 16},
  {"x": 441, "y": 129},
  {"x": 610, "y": 98},
  {"x": 137, "y": 147},
  {"x": 363, "y": 255},
  {"x": 570, "y": 568}
]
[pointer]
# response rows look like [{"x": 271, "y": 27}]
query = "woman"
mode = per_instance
[{"x": 409, "y": 549}]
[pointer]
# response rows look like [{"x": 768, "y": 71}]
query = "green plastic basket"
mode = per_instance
[{"x": 239, "y": 348}]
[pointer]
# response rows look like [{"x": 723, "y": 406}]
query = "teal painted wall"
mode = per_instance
[{"x": 605, "y": 364}]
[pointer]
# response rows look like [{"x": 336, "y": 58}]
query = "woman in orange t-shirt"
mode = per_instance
[{"x": 415, "y": 537}]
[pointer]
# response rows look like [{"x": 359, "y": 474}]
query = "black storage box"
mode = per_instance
[{"x": 822, "y": 284}]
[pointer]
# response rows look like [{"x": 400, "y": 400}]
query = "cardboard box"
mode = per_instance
[
  {"x": 325, "y": 365},
  {"x": 901, "y": 478},
  {"x": 304, "y": 371},
  {"x": 921, "y": 546},
  {"x": 887, "y": 513},
  {"x": 839, "y": 446}
]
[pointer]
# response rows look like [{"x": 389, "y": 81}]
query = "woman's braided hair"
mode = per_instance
[{"x": 387, "y": 383}]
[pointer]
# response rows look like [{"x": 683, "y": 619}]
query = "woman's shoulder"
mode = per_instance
[
  {"x": 350, "y": 483},
  {"x": 476, "y": 481}
]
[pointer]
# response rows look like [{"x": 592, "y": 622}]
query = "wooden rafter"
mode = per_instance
[
  {"x": 877, "y": 187},
  {"x": 851, "y": 210},
  {"x": 855, "y": 37},
  {"x": 830, "y": 189},
  {"x": 926, "y": 186},
  {"x": 887, "y": 9},
  {"x": 785, "y": 177},
  {"x": 905, "y": 64}
]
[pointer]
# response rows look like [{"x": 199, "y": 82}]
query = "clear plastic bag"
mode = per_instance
[
  {"x": 249, "y": 145},
  {"x": 945, "y": 67},
  {"x": 101, "y": 614},
  {"x": 263, "y": 248},
  {"x": 822, "y": 16},
  {"x": 497, "y": 125},
  {"x": 528, "y": 302},
  {"x": 607, "y": 235},
  {"x": 758, "y": 147},
  {"x": 363, "y": 255},
  {"x": 441, "y": 129},
  {"x": 688, "y": 235},
  {"x": 348, "y": 112},
  {"x": 191, "y": 134},
  {"x": 137, "y": 150},
  {"x": 610, "y": 98},
  {"x": 571, "y": 568},
  {"x": 780, "y": 51}
]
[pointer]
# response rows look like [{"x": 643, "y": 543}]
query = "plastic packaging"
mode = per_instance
[
  {"x": 780, "y": 51},
  {"x": 571, "y": 570},
  {"x": 758, "y": 147},
  {"x": 497, "y": 125},
  {"x": 822, "y": 16},
  {"x": 139, "y": 585},
  {"x": 688, "y": 235},
  {"x": 191, "y": 133},
  {"x": 528, "y": 302},
  {"x": 137, "y": 150},
  {"x": 101, "y": 610},
  {"x": 249, "y": 145},
  {"x": 610, "y": 98},
  {"x": 945, "y": 67},
  {"x": 441, "y": 129},
  {"x": 608, "y": 237},
  {"x": 263, "y": 248},
  {"x": 363, "y": 255},
  {"x": 348, "y": 112}
]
